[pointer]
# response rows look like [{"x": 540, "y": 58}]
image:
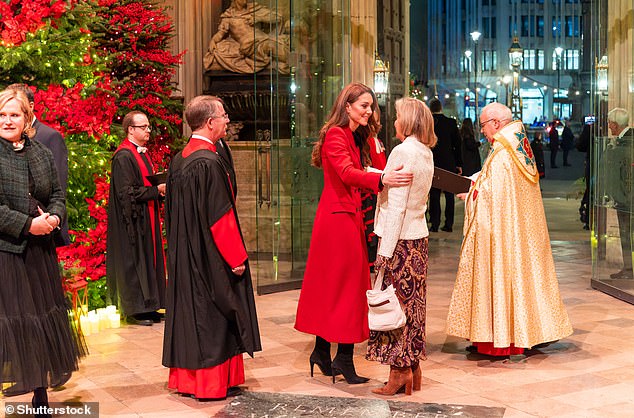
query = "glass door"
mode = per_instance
[
  {"x": 309, "y": 54},
  {"x": 612, "y": 174}
]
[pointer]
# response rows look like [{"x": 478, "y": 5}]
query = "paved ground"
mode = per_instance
[{"x": 590, "y": 374}]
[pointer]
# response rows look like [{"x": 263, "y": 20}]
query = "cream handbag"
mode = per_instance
[{"x": 384, "y": 309}]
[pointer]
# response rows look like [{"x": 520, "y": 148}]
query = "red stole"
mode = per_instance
[
  {"x": 196, "y": 144},
  {"x": 126, "y": 144}
]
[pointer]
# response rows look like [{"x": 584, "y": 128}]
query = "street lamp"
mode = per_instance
[
  {"x": 602, "y": 75},
  {"x": 516, "y": 56},
  {"x": 381, "y": 76},
  {"x": 558, "y": 52},
  {"x": 467, "y": 66},
  {"x": 382, "y": 90},
  {"x": 475, "y": 36}
]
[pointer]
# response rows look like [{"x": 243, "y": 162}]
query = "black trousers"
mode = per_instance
[
  {"x": 434, "y": 208},
  {"x": 626, "y": 243},
  {"x": 553, "y": 157},
  {"x": 566, "y": 151}
]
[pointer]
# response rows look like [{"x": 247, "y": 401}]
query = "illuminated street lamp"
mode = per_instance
[
  {"x": 516, "y": 57},
  {"x": 381, "y": 76},
  {"x": 467, "y": 66},
  {"x": 475, "y": 36},
  {"x": 558, "y": 51}
]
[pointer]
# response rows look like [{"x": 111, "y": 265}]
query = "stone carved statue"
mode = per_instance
[{"x": 245, "y": 43}]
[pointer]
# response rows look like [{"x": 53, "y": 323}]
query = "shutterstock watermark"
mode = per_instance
[{"x": 69, "y": 410}]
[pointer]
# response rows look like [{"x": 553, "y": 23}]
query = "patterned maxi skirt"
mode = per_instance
[{"x": 405, "y": 346}]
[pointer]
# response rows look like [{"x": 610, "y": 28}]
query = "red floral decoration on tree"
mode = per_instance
[{"x": 18, "y": 17}]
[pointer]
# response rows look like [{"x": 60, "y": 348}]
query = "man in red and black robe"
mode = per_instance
[
  {"x": 135, "y": 265},
  {"x": 210, "y": 315}
]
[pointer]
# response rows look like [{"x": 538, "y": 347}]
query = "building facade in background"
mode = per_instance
[{"x": 455, "y": 63}]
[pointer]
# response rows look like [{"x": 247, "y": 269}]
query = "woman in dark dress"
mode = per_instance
[
  {"x": 39, "y": 347},
  {"x": 470, "y": 149}
]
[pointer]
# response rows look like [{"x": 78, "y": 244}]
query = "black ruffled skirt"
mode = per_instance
[{"x": 39, "y": 343}]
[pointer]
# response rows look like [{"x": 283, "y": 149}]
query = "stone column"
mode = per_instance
[
  {"x": 620, "y": 47},
  {"x": 363, "y": 36},
  {"x": 194, "y": 21}
]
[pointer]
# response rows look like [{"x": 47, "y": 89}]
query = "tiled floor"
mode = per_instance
[{"x": 590, "y": 374}]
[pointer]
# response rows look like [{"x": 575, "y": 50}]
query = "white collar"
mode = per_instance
[
  {"x": 624, "y": 131},
  {"x": 135, "y": 144}
]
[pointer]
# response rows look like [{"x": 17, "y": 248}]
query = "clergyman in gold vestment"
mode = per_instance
[{"x": 506, "y": 297}]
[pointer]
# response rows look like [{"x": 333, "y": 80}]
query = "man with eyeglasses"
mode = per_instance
[
  {"x": 506, "y": 296},
  {"x": 224, "y": 151},
  {"x": 619, "y": 183},
  {"x": 135, "y": 266}
]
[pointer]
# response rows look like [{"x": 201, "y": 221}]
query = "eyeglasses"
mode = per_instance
[
  {"x": 223, "y": 116},
  {"x": 486, "y": 121},
  {"x": 12, "y": 118},
  {"x": 144, "y": 127}
]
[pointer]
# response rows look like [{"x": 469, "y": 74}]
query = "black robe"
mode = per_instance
[
  {"x": 210, "y": 313},
  {"x": 135, "y": 281}
]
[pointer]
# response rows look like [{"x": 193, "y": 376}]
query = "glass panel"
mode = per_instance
[
  {"x": 611, "y": 202},
  {"x": 301, "y": 90}
]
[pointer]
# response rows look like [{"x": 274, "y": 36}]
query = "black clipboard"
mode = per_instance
[
  {"x": 450, "y": 182},
  {"x": 158, "y": 178}
]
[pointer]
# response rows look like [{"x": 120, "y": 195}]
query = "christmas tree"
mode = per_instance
[{"x": 91, "y": 63}]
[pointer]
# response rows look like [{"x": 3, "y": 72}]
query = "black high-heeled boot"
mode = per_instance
[
  {"x": 321, "y": 357},
  {"x": 342, "y": 364},
  {"x": 40, "y": 398}
]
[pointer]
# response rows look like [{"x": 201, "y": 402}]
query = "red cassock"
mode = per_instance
[{"x": 332, "y": 303}]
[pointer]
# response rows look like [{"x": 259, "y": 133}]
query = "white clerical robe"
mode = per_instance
[{"x": 506, "y": 290}]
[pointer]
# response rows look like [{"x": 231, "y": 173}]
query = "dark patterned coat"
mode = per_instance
[{"x": 14, "y": 191}]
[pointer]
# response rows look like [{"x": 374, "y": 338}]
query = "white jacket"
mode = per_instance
[{"x": 400, "y": 211}]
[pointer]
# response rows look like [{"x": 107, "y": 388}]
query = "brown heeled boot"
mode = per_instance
[
  {"x": 417, "y": 377},
  {"x": 399, "y": 377}
]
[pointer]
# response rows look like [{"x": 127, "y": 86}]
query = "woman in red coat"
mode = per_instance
[{"x": 332, "y": 304}]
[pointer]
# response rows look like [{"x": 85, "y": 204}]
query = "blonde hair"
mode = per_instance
[
  {"x": 25, "y": 107},
  {"x": 415, "y": 119},
  {"x": 339, "y": 117}
]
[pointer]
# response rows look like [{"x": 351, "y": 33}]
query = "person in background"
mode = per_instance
[
  {"x": 332, "y": 303},
  {"x": 403, "y": 247},
  {"x": 211, "y": 318},
  {"x": 506, "y": 297},
  {"x": 448, "y": 156},
  {"x": 377, "y": 159},
  {"x": 567, "y": 142},
  {"x": 135, "y": 266},
  {"x": 584, "y": 144},
  {"x": 40, "y": 344},
  {"x": 619, "y": 183},
  {"x": 553, "y": 137},
  {"x": 54, "y": 141},
  {"x": 471, "y": 162},
  {"x": 537, "y": 146}
]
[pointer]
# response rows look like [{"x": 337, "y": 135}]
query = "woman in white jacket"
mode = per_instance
[{"x": 402, "y": 229}]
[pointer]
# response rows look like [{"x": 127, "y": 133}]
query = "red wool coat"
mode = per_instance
[{"x": 332, "y": 302}]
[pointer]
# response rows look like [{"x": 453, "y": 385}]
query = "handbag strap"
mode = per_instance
[{"x": 378, "y": 280}]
